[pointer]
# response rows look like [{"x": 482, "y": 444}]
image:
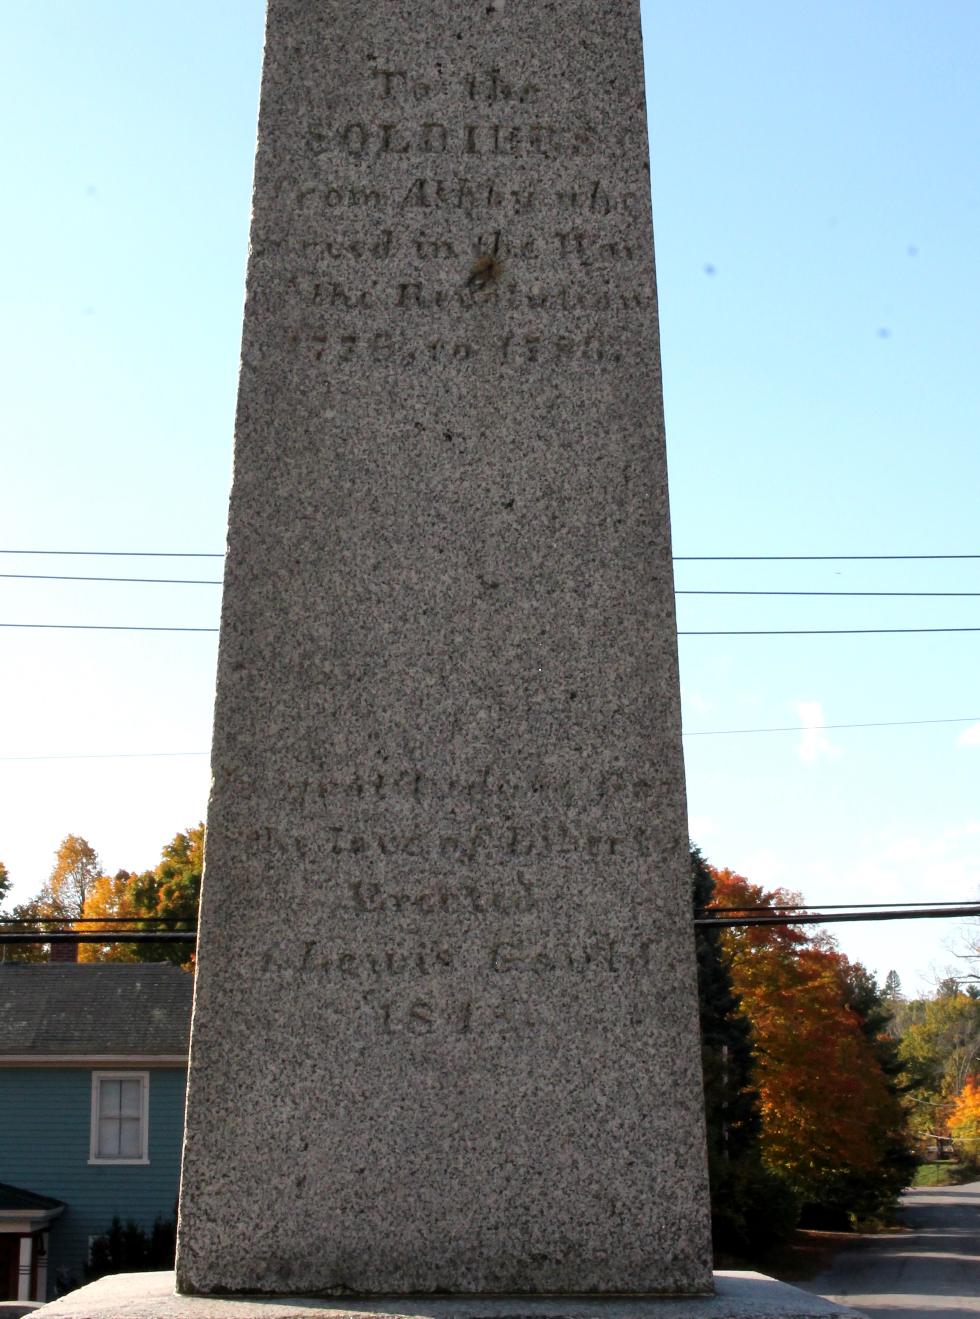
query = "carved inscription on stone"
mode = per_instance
[
  {"x": 489, "y": 785},
  {"x": 489, "y": 841},
  {"x": 458, "y": 226},
  {"x": 596, "y": 953},
  {"x": 445, "y": 959},
  {"x": 509, "y": 822},
  {"x": 417, "y": 991},
  {"x": 476, "y": 207}
]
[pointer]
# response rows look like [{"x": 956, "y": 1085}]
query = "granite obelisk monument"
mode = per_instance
[{"x": 445, "y": 1030}]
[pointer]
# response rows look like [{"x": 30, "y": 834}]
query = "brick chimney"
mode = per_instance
[{"x": 66, "y": 951}]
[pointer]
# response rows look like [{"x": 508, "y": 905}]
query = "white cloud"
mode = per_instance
[
  {"x": 814, "y": 742},
  {"x": 695, "y": 702},
  {"x": 767, "y": 868},
  {"x": 839, "y": 860},
  {"x": 970, "y": 737},
  {"x": 700, "y": 826}
]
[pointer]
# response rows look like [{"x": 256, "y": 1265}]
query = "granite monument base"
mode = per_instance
[{"x": 738, "y": 1295}]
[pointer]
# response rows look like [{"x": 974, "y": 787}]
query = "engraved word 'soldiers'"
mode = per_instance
[{"x": 363, "y": 140}]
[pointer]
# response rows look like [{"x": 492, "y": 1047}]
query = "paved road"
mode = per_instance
[{"x": 931, "y": 1270}]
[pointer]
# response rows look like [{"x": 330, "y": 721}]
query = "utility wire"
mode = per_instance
[
  {"x": 794, "y": 632},
  {"x": 819, "y": 728},
  {"x": 189, "y": 936},
  {"x": 864, "y": 595},
  {"x": 814, "y": 558},
  {"x": 701, "y": 732},
  {"x": 833, "y": 906},
  {"x": 825, "y": 918},
  {"x": 677, "y": 558},
  {"x": 755, "y": 632},
  {"x": 805, "y": 907},
  {"x": 111, "y": 755},
  {"x": 122, "y": 554},
  {"x": 57, "y": 577},
  {"x": 217, "y": 581},
  {"x": 93, "y": 920},
  {"x": 105, "y": 627},
  {"x": 95, "y": 936}
]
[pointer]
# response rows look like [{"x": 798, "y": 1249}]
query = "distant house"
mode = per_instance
[{"x": 93, "y": 1066}]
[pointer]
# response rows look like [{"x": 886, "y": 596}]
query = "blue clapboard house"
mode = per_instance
[{"x": 93, "y": 1067}]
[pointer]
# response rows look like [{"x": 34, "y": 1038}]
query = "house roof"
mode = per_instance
[
  {"x": 13, "y": 1198},
  {"x": 94, "y": 1010}
]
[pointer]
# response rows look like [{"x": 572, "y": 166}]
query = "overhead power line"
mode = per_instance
[
  {"x": 770, "y": 908},
  {"x": 105, "y": 627},
  {"x": 93, "y": 920},
  {"x": 815, "y": 558},
  {"x": 755, "y": 632},
  {"x": 830, "y": 918},
  {"x": 677, "y": 558},
  {"x": 189, "y": 936},
  {"x": 217, "y": 581},
  {"x": 808, "y": 631},
  {"x": 701, "y": 732},
  {"x": 864, "y": 595},
  {"x": 58, "y": 577},
  {"x": 835, "y": 906},
  {"x": 97, "y": 936},
  {"x": 124, "y": 554},
  {"x": 111, "y": 755},
  {"x": 819, "y": 728}
]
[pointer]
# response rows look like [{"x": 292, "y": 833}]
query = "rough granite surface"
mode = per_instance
[
  {"x": 445, "y": 1033},
  {"x": 152, "y": 1296}
]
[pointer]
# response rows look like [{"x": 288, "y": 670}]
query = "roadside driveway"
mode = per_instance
[{"x": 933, "y": 1269}]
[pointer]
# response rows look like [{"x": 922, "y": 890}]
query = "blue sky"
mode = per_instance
[{"x": 816, "y": 205}]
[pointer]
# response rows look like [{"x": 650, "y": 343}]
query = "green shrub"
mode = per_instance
[{"x": 129, "y": 1248}]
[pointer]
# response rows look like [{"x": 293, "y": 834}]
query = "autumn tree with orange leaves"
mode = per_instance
[
  {"x": 752, "y": 1207},
  {"x": 165, "y": 898},
  {"x": 832, "y": 1122},
  {"x": 964, "y": 1123}
]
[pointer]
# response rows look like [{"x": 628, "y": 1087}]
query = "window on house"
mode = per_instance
[{"x": 119, "y": 1117}]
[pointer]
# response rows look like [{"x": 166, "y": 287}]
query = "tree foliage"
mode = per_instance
[
  {"x": 110, "y": 898},
  {"x": 166, "y": 897},
  {"x": 62, "y": 897},
  {"x": 129, "y": 1248},
  {"x": 76, "y": 870},
  {"x": 964, "y": 1123},
  {"x": 939, "y": 1050},
  {"x": 173, "y": 889},
  {"x": 969, "y": 952},
  {"x": 751, "y": 1207},
  {"x": 832, "y": 1123}
]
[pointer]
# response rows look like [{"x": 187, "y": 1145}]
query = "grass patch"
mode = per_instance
[{"x": 947, "y": 1173}]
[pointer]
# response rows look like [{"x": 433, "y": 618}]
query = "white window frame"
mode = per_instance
[{"x": 144, "y": 1154}]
